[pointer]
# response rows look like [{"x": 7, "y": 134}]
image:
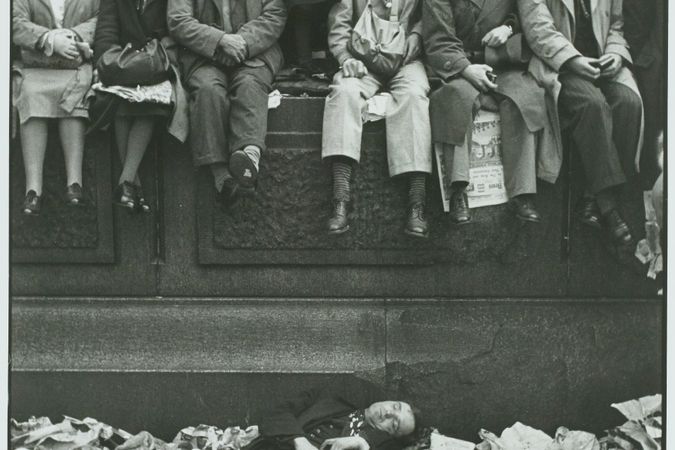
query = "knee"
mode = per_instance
[
  {"x": 347, "y": 89},
  {"x": 629, "y": 102},
  {"x": 413, "y": 91},
  {"x": 595, "y": 104},
  {"x": 248, "y": 81}
]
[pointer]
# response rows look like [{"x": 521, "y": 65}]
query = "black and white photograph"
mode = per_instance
[{"x": 335, "y": 224}]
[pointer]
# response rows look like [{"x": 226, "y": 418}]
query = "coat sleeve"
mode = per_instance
[
  {"x": 444, "y": 50},
  {"x": 282, "y": 420},
  {"x": 200, "y": 38},
  {"x": 87, "y": 28},
  {"x": 616, "y": 43},
  {"x": 340, "y": 29},
  {"x": 263, "y": 32},
  {"x": 107, "y": 29},
  {"x": 549, "y": 44},
  {"x": 26, "y": 33}
]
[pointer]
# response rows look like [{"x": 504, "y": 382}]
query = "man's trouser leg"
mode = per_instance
[
  {"x": 585, "y": 113},
  {"x": 249, "y": 91},
  {"x": 342, "y": 115},
  {"x": 407, "y": 122},
  {"x": 209, "y": 108},
  {"x": 518, "y": 151}
]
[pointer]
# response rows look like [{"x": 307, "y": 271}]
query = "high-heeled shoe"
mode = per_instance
[
  {"x": 74, "y": 195},
  {"x": 125, "y": 195},
  {"x": 141, "y": 204},
  {"x": 32, "y": 204}
]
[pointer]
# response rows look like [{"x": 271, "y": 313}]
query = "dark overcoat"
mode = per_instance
[
  {"x": 197, "y": 26},
  {"x": 120, "y": 23},
  {"x": 451, "y": 29},
  {"x": 297, "y": 417}
]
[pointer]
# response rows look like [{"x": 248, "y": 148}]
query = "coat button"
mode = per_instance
[{"x": 447, "y": 65}]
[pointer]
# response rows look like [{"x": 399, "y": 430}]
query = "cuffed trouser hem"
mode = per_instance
[
  {"x": 242, "y": 143},
  {"x": 207, "y": 160},
  {"x": 401, "y": 170}
]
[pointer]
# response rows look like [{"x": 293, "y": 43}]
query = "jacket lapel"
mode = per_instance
[
  {"x": 48, "y": 6},
  {"x": 487, "y": 7}
]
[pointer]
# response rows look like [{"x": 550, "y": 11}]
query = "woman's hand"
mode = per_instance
[
  {"x": 616, "y": 62},
  {"x": 302, "y": 443},
  {"x": 345, "y": 443},
  {"x": 65, "y": 46},
  {"x": 476, "y": 74},
  {"x": 497, "y": 36},
  {"x": 413, "y": 48},
  {"x": 354, "y": 68}
]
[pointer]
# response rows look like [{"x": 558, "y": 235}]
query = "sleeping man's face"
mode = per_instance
[{"x": 393, "y": 417}]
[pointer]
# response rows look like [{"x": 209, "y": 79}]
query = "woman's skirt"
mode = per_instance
[{"x": 51, "y": 93}]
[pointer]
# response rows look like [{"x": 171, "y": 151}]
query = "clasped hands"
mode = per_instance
[
  {"x": 63, "y": 42},
  {"x": 353, "y": 67},
  {"x": 590, "y": 68},
  {"x": 233, "y": 48}
]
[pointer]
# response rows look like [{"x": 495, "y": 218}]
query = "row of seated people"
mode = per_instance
[{"x": 556, "y": 67}]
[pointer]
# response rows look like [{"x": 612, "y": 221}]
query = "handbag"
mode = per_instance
[
  {"x": 378, "y": 43},
  {"x": 513, "y": 53},
  {"x": 132, "y": 67}
]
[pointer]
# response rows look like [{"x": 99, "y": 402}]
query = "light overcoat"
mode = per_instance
[{"x": 549, "y": 27}]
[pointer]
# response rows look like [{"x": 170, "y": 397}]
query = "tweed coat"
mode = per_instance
[
  {"x": 119, "y": 23},
  {"x": 451, "y": 28},
  {"x": 197, "y": 26},
  {"x": 344, "y": 15},
  {"x": 33, "y": 18},
  {"x": 548, "y": 26}
]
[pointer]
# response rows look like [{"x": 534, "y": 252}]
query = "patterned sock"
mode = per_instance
[
  {"x": 220, "y": 174},
  {"x": 417, "y": 192},
  {"x": 253, "y": 153},
  {"x": 342, "y": 173}
]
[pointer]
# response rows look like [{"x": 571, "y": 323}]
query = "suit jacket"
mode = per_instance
[
  {"x": 344, "y": 15},
  {"x": 298, "y": 416},
  {"x": 450, "y": 29},
  {"x": 644, "y": 30},
  {"x": 33, "y": 18},
  {"x": 549, "y": 29},
  {"x": 197, "y": 26}
]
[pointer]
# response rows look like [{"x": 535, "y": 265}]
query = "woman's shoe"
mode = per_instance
[
  {"x": 74, "y": 195},
  {"x": 32, "y": 204},
  {"x": 125, "y": 195},
  {"x": 141, "y": 205}
]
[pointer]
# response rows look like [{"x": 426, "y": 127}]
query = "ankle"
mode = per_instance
[{"x": 253, "y": 152}]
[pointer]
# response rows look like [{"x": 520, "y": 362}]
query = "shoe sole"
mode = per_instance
[
  {"x": 340, "y": 231},
  {"x": 460, "y": 223},
  {"x": 417, "y": 235},
  {"x": 528, "y": 219},
  {"x": 239, "y": 164}
]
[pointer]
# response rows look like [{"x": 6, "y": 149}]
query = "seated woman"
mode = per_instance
[
  {"x": 134, "y": 21},
  {"x": 456, "y": 34},
  {"x": 317, "y": 419},
  {"x": 51, "y": 82},
  {"x": 407, "y": 115}
]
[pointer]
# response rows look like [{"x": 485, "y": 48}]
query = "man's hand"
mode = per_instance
[
  {"x": 65, "y": 46},
  {"x": 234, "y": 47},
  {"x": 497, "y": 36},
  {"x": 476, "y": 74},
  {"x": 616, "y": 63},
  {"x": 345, "y": 443},
  {"x": 584, "y": 67},
  {"x": 413, "y": 48},
  {"x": 302, "y": 443},
  {"x": 354, "y": 68}
]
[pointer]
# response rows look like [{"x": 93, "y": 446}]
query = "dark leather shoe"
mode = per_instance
[
  {"x": 524, "y": 209},
  {"x": 125, "y": 195},
  {"x": 459, "y": 208},
  {"x": 339, "y": 222},
  {"x": 32, "y": 204},
  {"x": 617, "y": 228},
  {"x": 229, "y": 194},
  {"x": 243, "y": 170},
  {"x": 589, "y": 213},
  {"x": 74, "y": 196},
  {"x": 416, "y": 224}
]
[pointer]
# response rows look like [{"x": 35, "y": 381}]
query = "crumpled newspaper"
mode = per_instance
[
  {"x": 206, "y": 437},
  {"x": 517, "y": 437},
  {"x": 71, "y": 433},
  {"x": 274, "y": 99},
  {"x": 441, "y": 442},
  {"x": 573, "y": 440},
  {"x": 157, "y": 93},
  {"x": 377, "y": 107},
  {"x": 644, "y": 427},
  {"x": 648, "y": 250}
]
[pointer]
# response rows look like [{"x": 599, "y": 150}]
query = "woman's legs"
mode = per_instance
[
  {"x": 72, "y": 130},
  {"x": 139, "y": 132},
  {"x": 34, "y": 146}
]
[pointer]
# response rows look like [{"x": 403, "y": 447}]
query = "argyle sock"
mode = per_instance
[{"x": 417, "y": 192}]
